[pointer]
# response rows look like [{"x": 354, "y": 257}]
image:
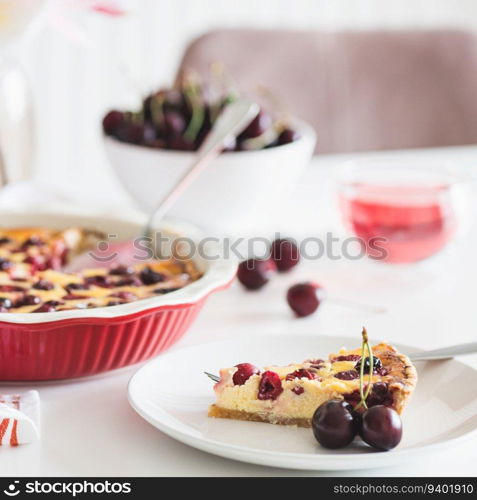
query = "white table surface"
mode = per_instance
[{"x": 89, "y": 429}]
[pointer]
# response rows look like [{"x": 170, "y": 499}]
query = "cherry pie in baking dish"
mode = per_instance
[
  {"x": 32, "y": 280},
  {"x": 290, "y": 394}
]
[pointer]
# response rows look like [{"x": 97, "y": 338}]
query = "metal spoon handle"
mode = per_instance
[
  {"x": 233, "y": 119},
  {"x": 445, "y": 352}
]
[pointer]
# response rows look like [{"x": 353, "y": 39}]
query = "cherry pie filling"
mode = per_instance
[{"x": 31, "y": 279}]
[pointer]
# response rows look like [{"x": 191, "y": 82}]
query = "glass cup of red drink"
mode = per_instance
[{"x": 402, "y": 210}]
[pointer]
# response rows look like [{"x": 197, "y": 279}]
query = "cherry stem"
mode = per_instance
[
  {"x": 357, "y": 305},
  {"x": 365, "y": 347}
]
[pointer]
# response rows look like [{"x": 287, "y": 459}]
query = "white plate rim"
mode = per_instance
[{"x": 335, "y": 461}]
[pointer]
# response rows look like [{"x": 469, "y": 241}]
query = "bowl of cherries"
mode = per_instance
[{"x": 152, "y": 147}]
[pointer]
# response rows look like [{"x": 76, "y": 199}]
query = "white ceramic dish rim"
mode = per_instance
[
  {"x": 218, "y": 274},
  {"x": 304, "y": 129},
  {"x": 277, "y": 458}
]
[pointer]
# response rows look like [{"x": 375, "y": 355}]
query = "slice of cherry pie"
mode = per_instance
[
  {"x": 32, "y": 280},
  {"x": 289, "y": 395}
]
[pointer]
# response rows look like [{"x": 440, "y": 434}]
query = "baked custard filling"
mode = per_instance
[
  {"x": 290, "y": 394},
  {"x": 32, "y": 280}
]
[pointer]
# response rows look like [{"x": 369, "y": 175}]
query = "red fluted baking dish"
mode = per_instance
[{"x": 66, "y": 344}]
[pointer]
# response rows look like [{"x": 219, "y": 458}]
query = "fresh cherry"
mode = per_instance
[
  {"x": 333, "y": 424},
  {"x": 113, "y": 121},
  {"x": 285, "y": 254},
  {"x": 270, "y": 386},
  {"x": 305, "y": 298},
  {"x": 258, "y": 125},
  {"x": 255, "y": 273},
  {"x": 288, "y": 135},
  {"x": 244, "y": 372},
  {"x": 130, "y": 132},
  {"x": 381, "y": 427},
  {"x": 174, "y": 122}
]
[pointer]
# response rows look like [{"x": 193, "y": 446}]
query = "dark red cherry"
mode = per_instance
[
  {"x": 11, "y": 288},
  {"x": 150, "y": 277},
  {"x": 288, "y": 135},
  {"x": 162, "y": 291},
  {"x": 244, "y": 372},
  {"x": 285, "y": 254},
  {"x": 377, "y": 365},
  {"x": 129, "y": 281},
  {"x": 5, "y": 264},
  {"x": 28, "y": 300},
  {"x": 178, "y": 142},
  {"x": 98, "y": 280},
  {"x": 258, "y": 125},
  {"x": 113, "y": 121},
  {"x": 121, "y": 270},
  {"x": 270, "y": 386},
  {"x": 149, "y": 134},
  {"x": 346, "y": 357},
  {"x": 127, "y": 296},
  {"x": 49, "y": 306},
  {"x": 174, "y": 122},
  {"x": 301, "y": 373},
  {"x": 333, "y": 424},
  {"x": 76, "y": 286},
  {"x": 255, "y": 273},
  {"x": 305, "y": 298},
  {"x": 33, "y": 241},
  {"x": 5, "y": 303},
  {"x": 43, "y": 285},
  {"x": 347, "y": 375},
  {"x": 74, "y": 296},
  {"x": 132, "y": 133},
  {"x": 381, "y": 427}
]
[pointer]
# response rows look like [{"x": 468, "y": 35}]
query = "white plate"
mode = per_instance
[{"x": 172, "y": 393}]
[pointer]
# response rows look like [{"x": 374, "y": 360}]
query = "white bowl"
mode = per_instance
[{"x": 238, "y": 192}]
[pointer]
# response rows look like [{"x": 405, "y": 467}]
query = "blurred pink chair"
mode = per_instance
[{"x": 366, "y": 90}]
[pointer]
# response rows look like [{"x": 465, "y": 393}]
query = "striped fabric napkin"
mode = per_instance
[{"x": 19, "y": 418}]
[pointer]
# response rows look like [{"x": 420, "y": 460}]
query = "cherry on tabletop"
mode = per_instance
[
  {"x": 381, "y": 427},
  {"x": 255, "y": 273},
  {"x": 333, "y": 424},
  {"x": 244, "y": 372},
  {"x": 284, "y": 253},
  {"x": 305, "y": 298}
]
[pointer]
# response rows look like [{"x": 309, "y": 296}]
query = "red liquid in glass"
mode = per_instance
[{"x": 415, "y": 222}]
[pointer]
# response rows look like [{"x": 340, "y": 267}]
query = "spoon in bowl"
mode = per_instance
[{"x": 231, "y": 121}]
